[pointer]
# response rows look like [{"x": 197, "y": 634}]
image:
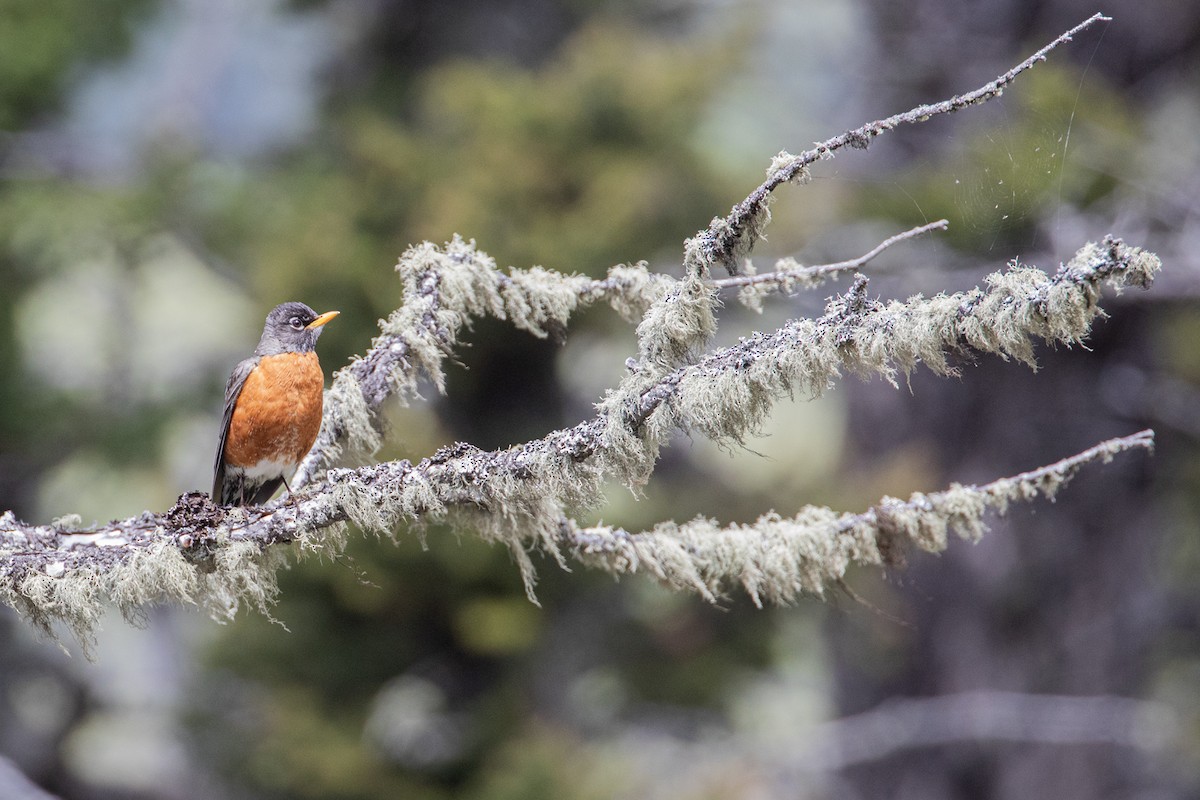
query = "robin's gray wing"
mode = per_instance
[{"x": 232, "y": 390}]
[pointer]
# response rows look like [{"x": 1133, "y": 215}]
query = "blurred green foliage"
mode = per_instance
[
  {"x": 578, "y": 165},
  {"x": 42, "y": 41},
  {"x": 42, "y": 44}
]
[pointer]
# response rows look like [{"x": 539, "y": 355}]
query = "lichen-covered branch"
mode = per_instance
[
  {"x": 443, "y": 289},
  {"x": 777, "y": 559},
  {"x": 425, "y": 328},
  {"x": 527, "y": 497},
  {"x": 727, "y": 240},
  {"x": 220, "y": 558},
  {"x": 726, "y": 393},
  {"x": 789, "y": 274}
]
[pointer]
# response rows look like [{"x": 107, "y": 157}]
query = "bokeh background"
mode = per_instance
[{"x": 171, "y": 169}]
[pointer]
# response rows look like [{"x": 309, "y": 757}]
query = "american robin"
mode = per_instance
[{"x": 272, "y": 408}]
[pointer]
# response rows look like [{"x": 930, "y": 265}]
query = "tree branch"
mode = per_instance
[
  {"x": 808, "y": 754},
  {"x": 923, "y": 722},
  {"x": 790, "y": 274},
  {"x": 870, "y": 337},
  {"x": 416, "y": 338},
  {"x": 220, "y": 558},
  {"x": 777, "y": 559},
  {"x": 422, "y": 330},
  {"x": 443, "y": 289},
  {"x": 526, "y": 496},
  {"x": 788, "y": 270},
  {"x": 726, "y": 241}
]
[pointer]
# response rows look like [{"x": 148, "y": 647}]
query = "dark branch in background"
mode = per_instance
[
  {"x": 525, "y": 497},
  {"x": 972, "y": 717},
  {"x": 15, "y": 786},
  {"x": 805, "y": 755}
]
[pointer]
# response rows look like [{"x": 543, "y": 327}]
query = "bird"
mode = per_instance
[{"x": 273, "y": 404}]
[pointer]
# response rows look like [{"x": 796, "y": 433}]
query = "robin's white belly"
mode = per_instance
[{"x": 265, "y": 470}]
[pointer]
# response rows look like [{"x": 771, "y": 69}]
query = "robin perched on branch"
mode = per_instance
[{"x": 272, "y": 408}]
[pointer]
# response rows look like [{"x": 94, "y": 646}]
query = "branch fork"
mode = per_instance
[{"x": 527, "y": 497}]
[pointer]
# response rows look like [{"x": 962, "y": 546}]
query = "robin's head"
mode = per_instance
[{"x": 291, "y": 328}]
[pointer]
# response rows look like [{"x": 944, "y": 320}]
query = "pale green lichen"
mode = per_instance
[
  {"x": 634, "y": 290},
  {"x": 777, "y": 559},
  {"x": 726, "y": 396},
  {"x": 538, "y": 301},
  {"x": 240, "y": 573},
  {"x": 344, "y": 402},
  {"x": 677, "y": 325},
  {"x": 523, "y": 497},
  {"x": 787, "y": 276},
  {"x": 72, "y": 598},
  {"x": 785, "y": 166},
  {"x": 67, "y": 523},
  {"x": 726, "y": 244}
]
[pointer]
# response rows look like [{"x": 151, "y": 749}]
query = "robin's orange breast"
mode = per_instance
[{"x": 278, "y": 412}]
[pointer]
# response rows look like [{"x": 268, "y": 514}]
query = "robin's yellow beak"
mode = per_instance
[{"x": 321, "y": 320}]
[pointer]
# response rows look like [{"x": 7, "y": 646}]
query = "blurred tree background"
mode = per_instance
[{"x": 174, "y": 168}]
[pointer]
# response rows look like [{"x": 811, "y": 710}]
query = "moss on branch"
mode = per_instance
[{"x": 526, "y": 497}]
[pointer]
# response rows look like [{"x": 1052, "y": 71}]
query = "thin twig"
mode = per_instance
[
  {"x": 719, "y": 243},
  {"x": 1067, "y": 466},
  {"x": 820, "y": 270}
]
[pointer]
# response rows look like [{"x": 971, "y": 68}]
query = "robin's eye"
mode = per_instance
[{"x": 296, "y": 323}]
